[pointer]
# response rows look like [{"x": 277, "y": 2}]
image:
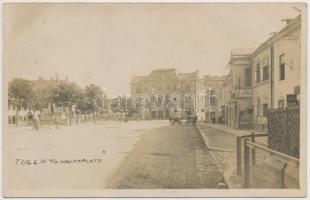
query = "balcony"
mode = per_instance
[{"x": 241, "y": 93}]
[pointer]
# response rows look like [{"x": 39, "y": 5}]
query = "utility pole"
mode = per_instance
[{"x": 209, "y": 103}]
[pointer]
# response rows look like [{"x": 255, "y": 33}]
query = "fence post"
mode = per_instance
[
  {"x": 253, "y": 149},
  {"x": 246, "y": 164},
  {"x": 239, "y": 164}
]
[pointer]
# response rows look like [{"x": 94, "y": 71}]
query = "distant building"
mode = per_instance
[
  {"x": 214, "y": 97},
  {"x": 165, "y": 93}
]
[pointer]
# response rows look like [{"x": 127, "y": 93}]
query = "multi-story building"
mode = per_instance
[
  {"x": 165, "y": 93},
  {"x": 276, "y": 72},
  {"x": 238, "y": 90},
  {"x": 214, "y": 97},
  {"x": 261, "y": 84},
  {"x": 286, "y": 64},
  {"x": 274, "y": 80}
]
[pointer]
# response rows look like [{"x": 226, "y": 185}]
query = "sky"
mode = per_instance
[{"x": 107, "y": 43}]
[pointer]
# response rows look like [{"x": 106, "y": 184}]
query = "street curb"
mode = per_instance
[
  {"x": 229, "y": 183},
  {"x": 231, "y": 180},
  {"x": 206, "y": 141},
  {"x": 204, "y": 137}
]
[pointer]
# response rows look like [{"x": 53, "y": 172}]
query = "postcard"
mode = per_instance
[{"x": 132, "y": 99}]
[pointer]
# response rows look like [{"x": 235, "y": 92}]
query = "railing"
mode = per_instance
[
  {"x": 249, "y": 151},
  {"x": 238, "y": 141}
]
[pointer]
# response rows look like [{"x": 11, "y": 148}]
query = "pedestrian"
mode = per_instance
[
  {"x": 195, "y": 120},
  {"x": 213, "y": 119},
  {"x": 30, "y": 117},
  {"x": 36, "y": 119}
]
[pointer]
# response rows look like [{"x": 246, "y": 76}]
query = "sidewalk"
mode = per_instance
[
  {"x": 220, "y": 136},
  {"x": 221, "y": 142}
]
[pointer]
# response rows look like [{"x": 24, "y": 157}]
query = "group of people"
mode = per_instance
[
  {"x": 220, "y": 120},
  {"x": 178, "y": 120}
]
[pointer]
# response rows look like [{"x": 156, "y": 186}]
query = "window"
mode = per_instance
[
  {"x": 265, "y": 73},
  {"x": 247, "y": 75},
  {"x": 187, "y": 87},
  {"x": 266, "y": 70},
  {"x": 265, "y": 110},
  {"x": 258, "y": 107},
  {"x": 282, "y": 67},
  {"x": 212, "y": 101},
  {"x": 258, "y": 72},
  {"x": 212, "y": 97},
  {"x": 281, "y": 103},
  {"x": 138, "y": 90}
]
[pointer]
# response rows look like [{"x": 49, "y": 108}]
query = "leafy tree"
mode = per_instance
[
  {"x": 42, "y": 98},
  {"x": 93, "y": 97},
  {"x": 20, "y": 94},
  {"x": 67, "y": 94}
]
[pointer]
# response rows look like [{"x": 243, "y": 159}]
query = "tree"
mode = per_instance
[
  {"x": 42, "y": 98},
  {"x": 20, "y": 94},
  {"x": 93, "y": 97},
  {"x": 67, "y": 94}
]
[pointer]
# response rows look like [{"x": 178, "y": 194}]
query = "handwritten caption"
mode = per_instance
[{"x": 28, "y": 162}]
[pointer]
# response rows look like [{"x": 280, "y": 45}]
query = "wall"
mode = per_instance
[
  {"x": 262, "y": 89},
  {"x": 290, "y": 46}
]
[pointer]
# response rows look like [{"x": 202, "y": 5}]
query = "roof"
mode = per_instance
[
  {"x": 214, "y": 78},
  {"x": 169, "y": 73},
  {"x": 291, "y": 24},
  {"x": 163, "y": 70},
  {"x": 137, "y": 79},
  {"x": 183, "y": 76},
  {"x": 242, "y": 52},
  {"x": 165, "y": 74}
]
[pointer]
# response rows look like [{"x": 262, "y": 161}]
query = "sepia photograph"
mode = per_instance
[{"x": 132, "y": 99}]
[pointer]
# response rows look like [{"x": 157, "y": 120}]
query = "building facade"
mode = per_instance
[
  {"x": 164, "y": 93},
  {"x": 276, "y": 72},
  {"x": 238, "y": 90},
  {"x": 274, "y": 80},
  {"x": 261, "y": 76},
  {"x": 286, "y": 66},
  {"x": 214, "y": 98}
]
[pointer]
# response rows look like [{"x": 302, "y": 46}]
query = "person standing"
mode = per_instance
[{"x": 36, "y": 119}]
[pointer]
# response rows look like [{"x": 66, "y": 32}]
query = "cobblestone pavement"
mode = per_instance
[
  {"x": 171, "y": 157},
  {"x": 137, "y": 154}
]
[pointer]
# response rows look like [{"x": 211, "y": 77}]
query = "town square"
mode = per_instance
[{"x": 153, "y": 96}]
